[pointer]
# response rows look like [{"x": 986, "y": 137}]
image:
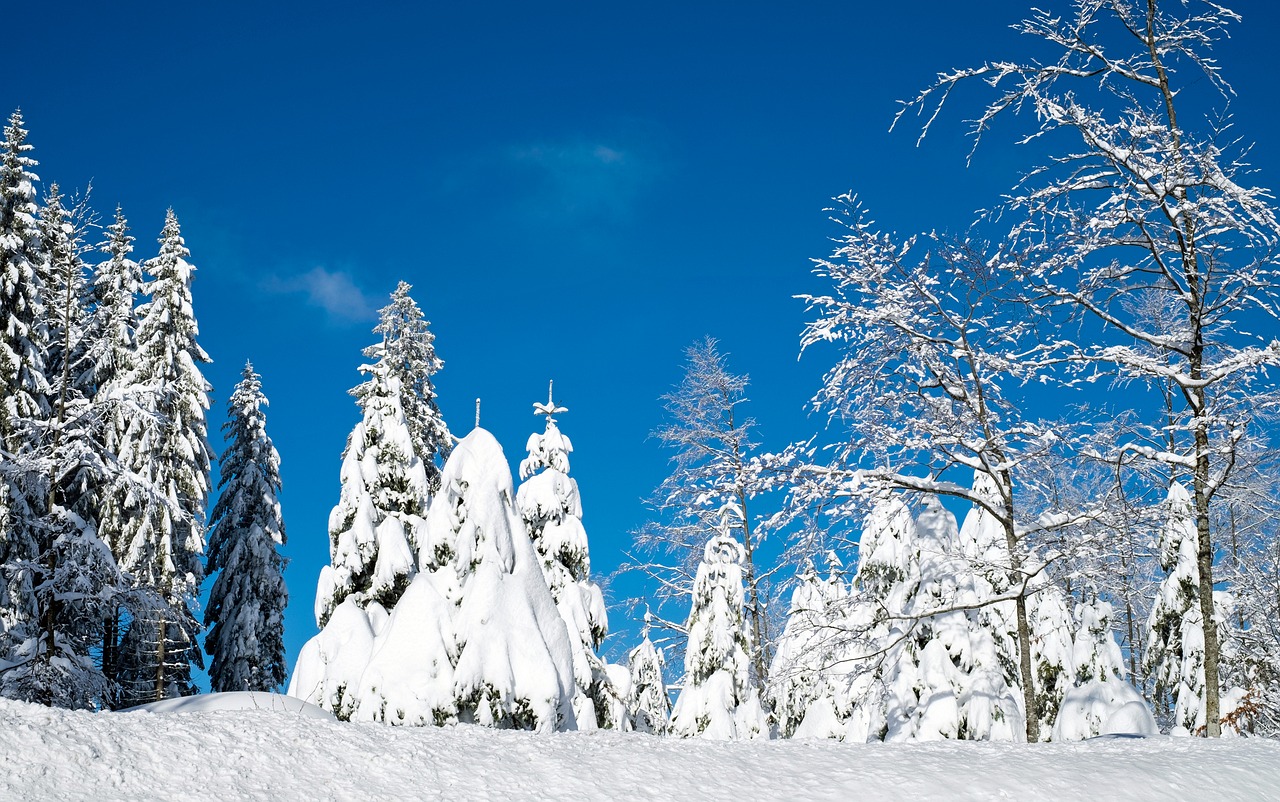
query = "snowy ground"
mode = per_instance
[{"x": 273, "y": 754}]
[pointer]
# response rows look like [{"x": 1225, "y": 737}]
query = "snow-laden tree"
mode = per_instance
[
  {"x": 647, "y": 702},
  {"x": 1151, "y": 197},
  {"x": 718, "y": 699},
  {"x": 930, "y": 383},
  {"x": 112, "y": 324},
  {"x": 950, "y": 669},
  {"x": 23, "y": 330},
  {"x": 245, "y": 612},
  {"x": 515, "y": 655},
  {"x": 408, "y": 353},
  {"x": 475, "y": 637},
  {"x": 1176, "y": 650},
  {"x": 374, "y": 530},
  {"x": 161, "y": 539},
  {"x": 712, "y": 446},
  {"x": 64, "y": 227},
  {"x": 805, "y": 685},
  {"x": 551, "y": 507}
]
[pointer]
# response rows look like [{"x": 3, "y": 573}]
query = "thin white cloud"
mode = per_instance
[
  {"x": 335, "y": 292},
  {"x": 582, "y": 180}
]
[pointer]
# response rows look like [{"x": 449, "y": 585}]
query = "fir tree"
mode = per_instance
[
  {"x": 374, "y": 529},
  {"x": 163, "y": 537},
  {"x": 719, "y": 700},
  {"x": 245, "y": 612},
  {"x": 1175, "y": 655},
  {"x": 23, "y": 334},
  {"x": 549, "y": 502},
  {"x": 109, "y": 359},
  {"x": 408, "y": 352},
  {"x": 648, "y": 705},
  {"x": 515, "y": 659}
]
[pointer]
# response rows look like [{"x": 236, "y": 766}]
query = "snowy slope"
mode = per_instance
[{"x": 262, "y": 754}]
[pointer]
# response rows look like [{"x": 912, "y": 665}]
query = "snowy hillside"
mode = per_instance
[{"x": 264, "y": 754}]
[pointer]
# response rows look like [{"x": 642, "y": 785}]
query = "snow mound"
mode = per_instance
[{"x": 234, "y": 701}]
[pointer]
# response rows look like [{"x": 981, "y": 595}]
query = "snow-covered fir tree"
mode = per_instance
[
  {"x": 374, "y": 530},
  {"x": 551, "y": 507},
  {"x": 112, "y": 324},
  {"x": 807, "y": 675},
  {"x": 23, "y": 331},
  {"x": 719, "y": 699},
  {"x": 515, "y": 655},
  {"x": 162, "y": 537},
  {"x": 408, "y": 352},
  {"x": 952, "y": 668},
  {"x": 64, "y": 229},
  {"x": 245, "y": 611},
  {"x": 475, "y": 637},
  {"x": 1175, "y": 652},
  {"x": 648, "y": 705}
]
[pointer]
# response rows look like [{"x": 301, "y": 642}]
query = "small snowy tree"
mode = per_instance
[
  {"x": 718, "y": 699},
  {"x": 1175, "y": 656},
  {"x": 374, "y": 529},
  {"x": 245, "y": 612},
  {"x": 805, "y": 675},
  {"x": 648, "y": 705},
  {"x": 551, "y": 507}
]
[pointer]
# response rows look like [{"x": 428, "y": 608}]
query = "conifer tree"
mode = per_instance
[
  {"x": 245, "y": 612},
  {"x": 1175, "y": 653},
  {"x": 648, "y": 705},
  {"x": 551, "y": 507},
  {"x": 163, "y": 537},
  {"x": 109, "y": 359},
  {"x": 23, "y": 334},
  {"x": 375, "y": 528},
  {"x": 408, "y": 352},
  {"x": 515, "y": 659},
  {"x": 719, "y": 699}
]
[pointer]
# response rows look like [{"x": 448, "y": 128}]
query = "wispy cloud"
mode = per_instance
[
  {"x": 335, "y": 292},
  {"x": 582, "y": 180}
]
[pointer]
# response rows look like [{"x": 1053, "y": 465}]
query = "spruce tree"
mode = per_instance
[
  {"x": 375, "y": 528},
  {"x": 23, "y": 334},
  {"x": 551, "y": 507},
  {"x": 163, "y": 536},
  {"x": 515, "y": 660},
  {"x": 648, "y": 705},
  {"x": 408, "y": 352},
  {"x": 719, "y": 700},
  {"x": 109, "y": 358},
  {"x": 245, "y": 612}
]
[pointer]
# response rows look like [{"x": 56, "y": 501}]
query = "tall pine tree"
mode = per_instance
[
  {"x": 164, "y": 535},
  {"x": 246, "y": 605}
]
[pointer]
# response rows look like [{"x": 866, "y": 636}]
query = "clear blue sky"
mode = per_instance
[{"x": 576, "y": 192}]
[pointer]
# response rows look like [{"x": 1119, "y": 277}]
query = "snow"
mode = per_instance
[
  {"x": 234, "y": 701},
  {"x": 50, "y": 754}
]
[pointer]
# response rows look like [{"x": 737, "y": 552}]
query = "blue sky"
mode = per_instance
[{"x": 576, "y": 191}]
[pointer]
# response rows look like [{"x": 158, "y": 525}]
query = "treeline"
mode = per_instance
[{"x": 105, "y": 468}]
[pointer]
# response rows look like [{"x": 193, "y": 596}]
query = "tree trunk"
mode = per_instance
[
  {"x": 1204, "y": 563},
  {"x": 1029, "y": 704},
  {"x": 161, "y": 642}
]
